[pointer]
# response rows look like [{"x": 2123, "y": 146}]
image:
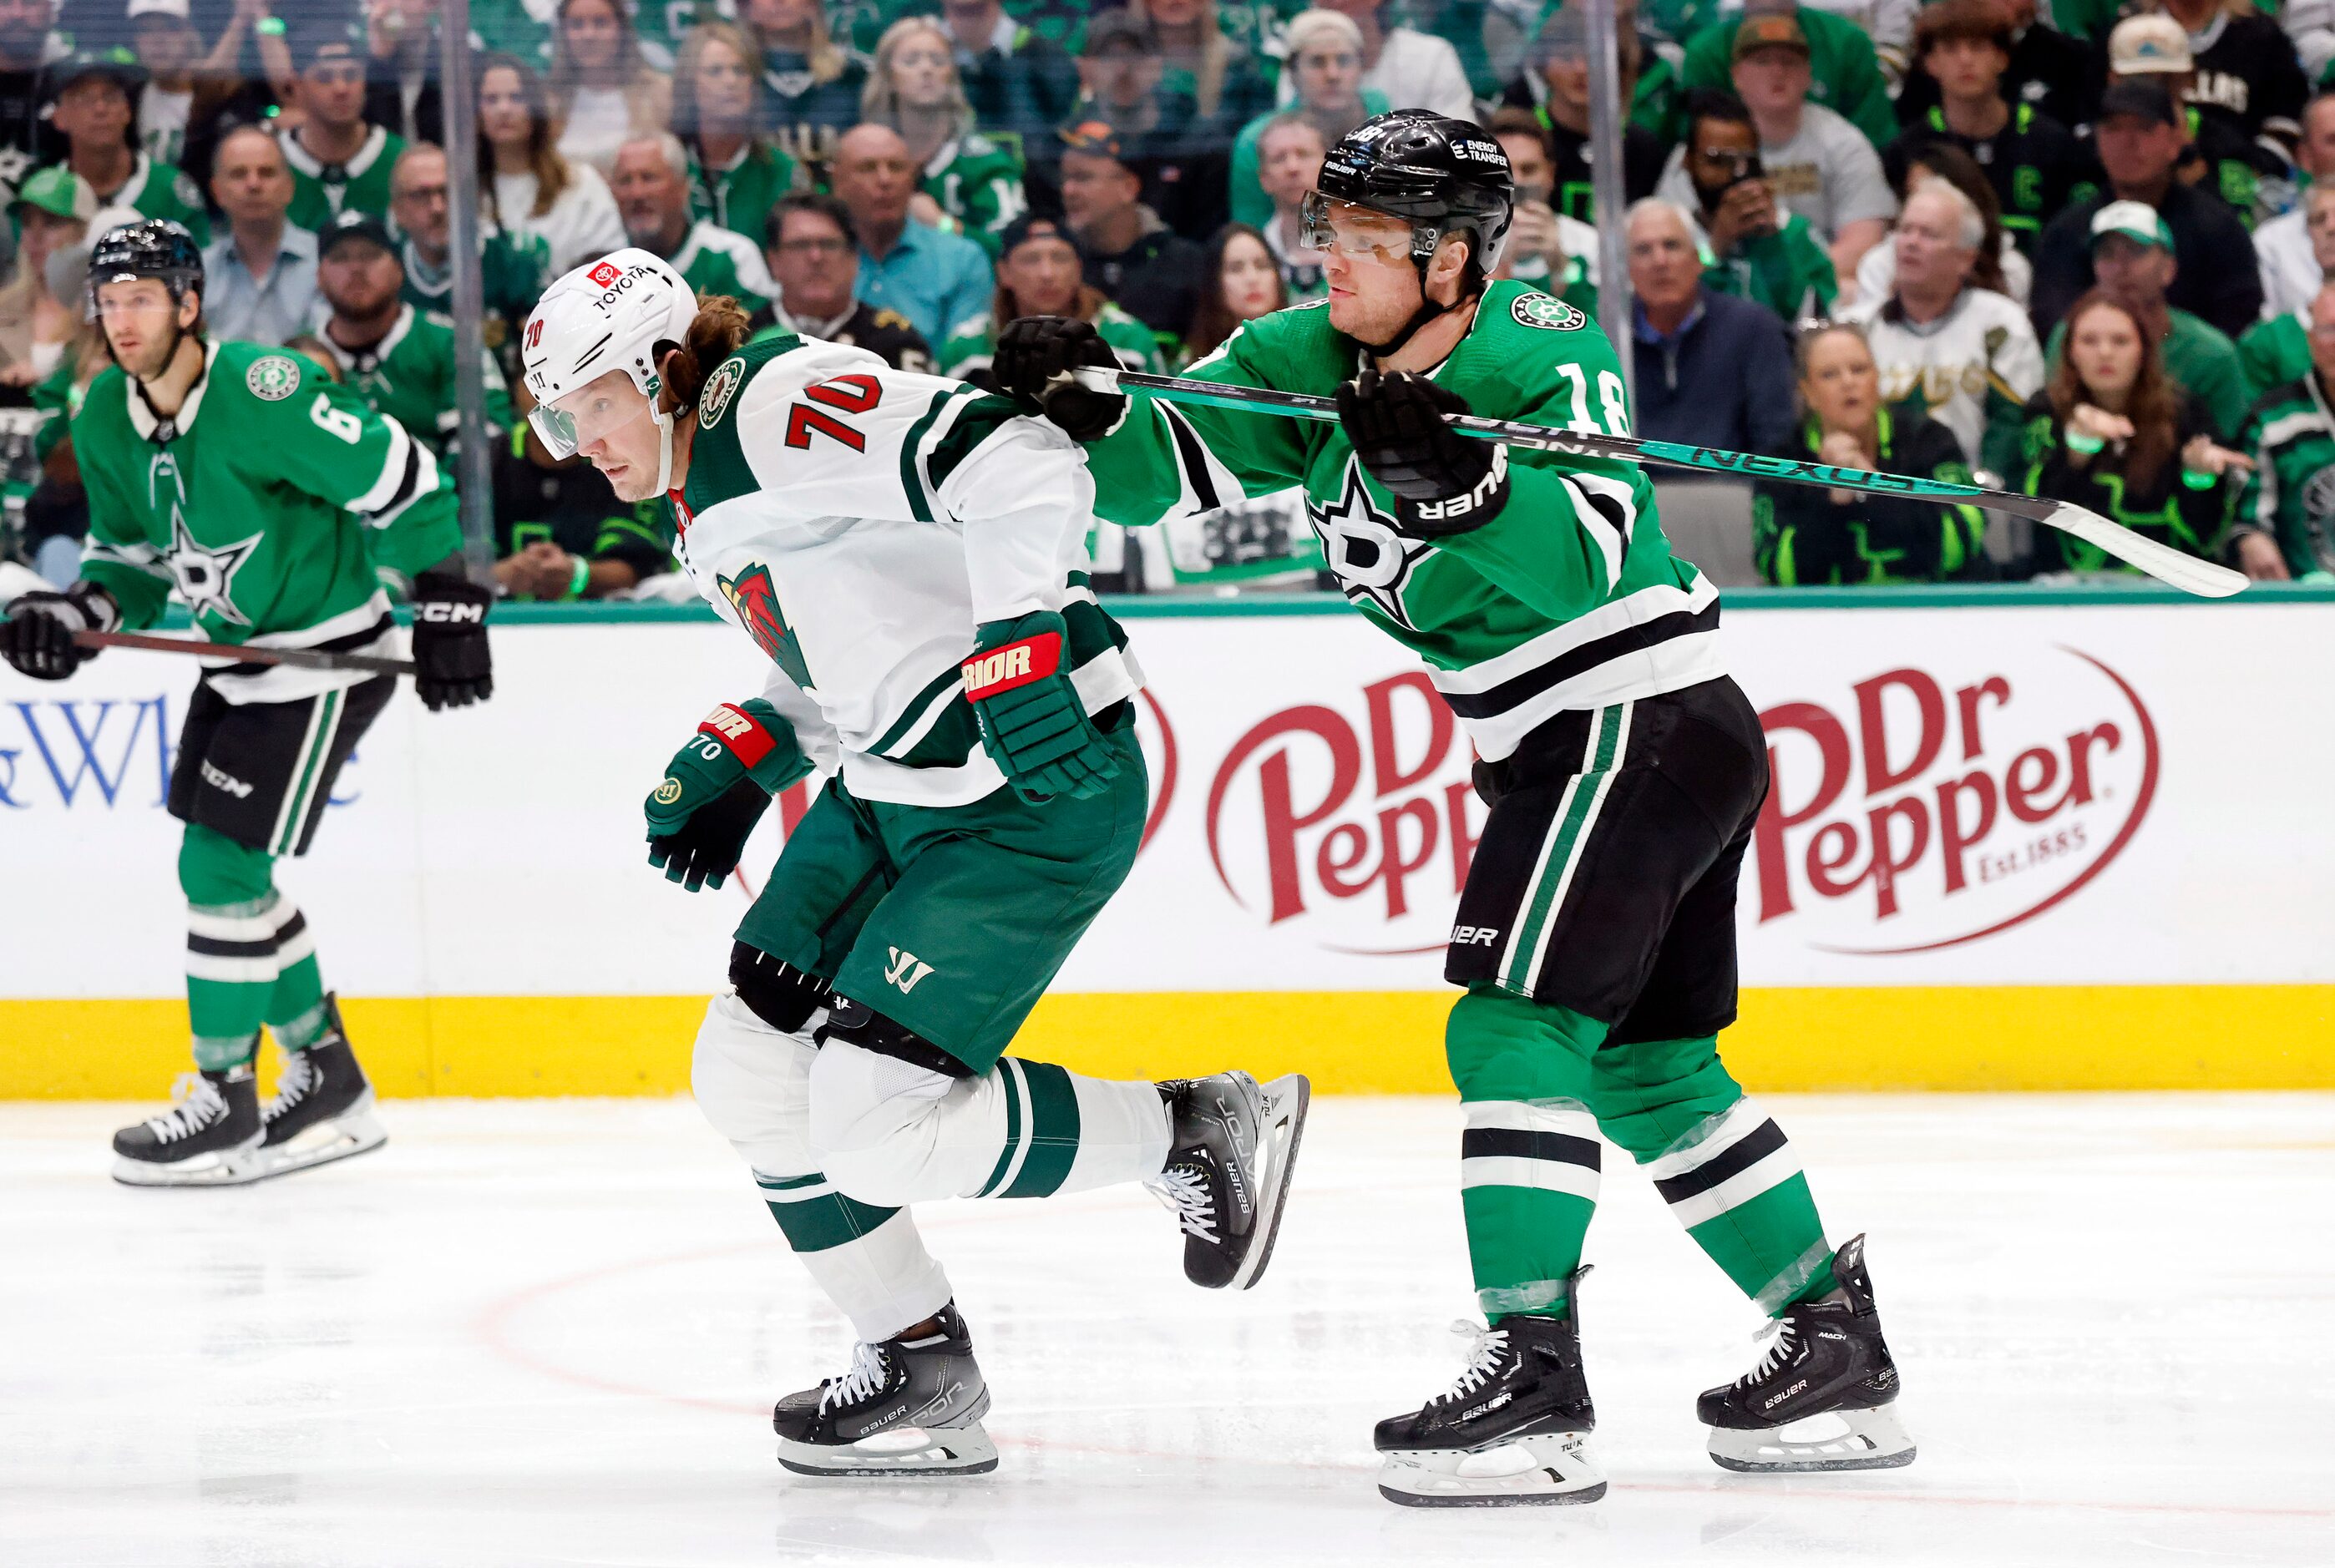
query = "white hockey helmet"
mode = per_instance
[{"x": 610, "y": 314}]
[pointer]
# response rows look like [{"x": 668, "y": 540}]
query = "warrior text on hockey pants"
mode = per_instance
[
  {"x": 251, "y": 784},
  {"x": 1596, "y": 939}
]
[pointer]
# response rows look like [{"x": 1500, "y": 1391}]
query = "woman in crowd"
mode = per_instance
[
  {"x": 736, "y": 173},
  {"x": 1243, "y": 283},
  {"x": 2001, "y": 265},
  {"x": 1221, "y": 77},
  {"x": 526, "y": 187},
  {"x": 2111, "y": 432},
  {"x": 1801, "y": 535},
  {"x": 971, "y": 184},
  {"x": 53, "y": 213},
  {"x": 814, "y": 83},
  {"x": 1325, "y": 70},
  {"x": 1039, "y": 274},
  {"x": 602, "y": 91}
]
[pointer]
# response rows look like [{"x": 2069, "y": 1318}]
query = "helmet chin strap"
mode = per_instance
[
  {"x": 1428, "y": 312},
  {"x": 664, "y": 449}
]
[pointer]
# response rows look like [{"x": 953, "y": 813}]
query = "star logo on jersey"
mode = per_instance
[
  {"x": 1544, "y": 310},
  {"x": 205, "y": 574},
  {"x": 1372, "y": 561},
  {"x": 273, "y": 379},
  {"x": 756, "y": 599}
]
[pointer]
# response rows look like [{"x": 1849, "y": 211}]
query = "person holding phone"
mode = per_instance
[{"x": 1753, "y": 247}]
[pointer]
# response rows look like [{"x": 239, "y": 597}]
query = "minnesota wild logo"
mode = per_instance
[
  {"x": 1544, "y": 310},
  {"x": 756, "y": 599},
  {"x": 719, "y": 387}
]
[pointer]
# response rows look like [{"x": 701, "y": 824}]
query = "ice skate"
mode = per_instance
[
  {"x": 1823, "y": 1396},
  {"x": 907, "y": 1406},
  {"x": 1514, "y": 1429},
  {"x": 210, "y": 1138},
  {"x": 1232, "y": 1149},
  {"x": 323, "y": 1108}
]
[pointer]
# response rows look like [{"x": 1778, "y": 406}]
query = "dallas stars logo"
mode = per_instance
[
  {"x": 205, "y": 576},
  {"x": 1373, "y": 564}
]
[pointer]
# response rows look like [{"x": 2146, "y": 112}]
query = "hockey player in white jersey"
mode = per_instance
[{"x": 907, "y": 551}]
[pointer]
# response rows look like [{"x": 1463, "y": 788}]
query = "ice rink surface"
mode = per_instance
[{"x": 550, "y": 1332}]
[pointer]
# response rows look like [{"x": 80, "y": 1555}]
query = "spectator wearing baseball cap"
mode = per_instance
[
  {"x": 259, "y": 278},
  {"x": 2254, "y": 176},
  {"x": 2047, "y": 70},
  {"x": 339, "y": 159},
  {"x": 1817, "y": 163},
  {"x": 1039, "y": 273},
  {"x": 93, "y": 101},
  {"x": 2139, "y": 138},
  {"x": 2133, "y": 258},
  {"x": 1553, "y": 86},
  {"x": 398, "y": 358},
  {"x": 1844, "y": 73},
  {"x": 2243, "y": 72},
  {"x": 1183, "y": 164},
  {"x": 51, "y": 213},
  {"x": 1125, "y": 251}
]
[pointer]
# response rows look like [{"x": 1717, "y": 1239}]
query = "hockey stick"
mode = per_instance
[
  {"x": 2159, "y": 560},
  {"x": 303, "y": 658}
]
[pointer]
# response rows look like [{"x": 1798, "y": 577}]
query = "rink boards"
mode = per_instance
[{"x": 2017, "y": 840}]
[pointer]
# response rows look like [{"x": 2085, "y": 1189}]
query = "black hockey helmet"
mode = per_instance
[
  {"x": 152, "y": 247},
  {"x": 1446, "y": 176}
]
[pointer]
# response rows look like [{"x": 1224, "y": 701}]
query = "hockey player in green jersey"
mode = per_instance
[
  {"x": 339, "y": 159},
  {"x": 399, "y": 360},
  {"x": 1596, "y": 935},
  {"x": 906, "y": 550},
  {"x": 263, "y": 496}
]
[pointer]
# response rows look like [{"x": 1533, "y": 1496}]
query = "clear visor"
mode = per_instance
[
  {"x": 590, "y": 414},
  {"x": 1330, "y": 224}
]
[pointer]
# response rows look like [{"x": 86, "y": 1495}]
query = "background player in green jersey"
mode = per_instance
[
  {"x": 265, "y": 498},
  {"x": 1596, "y": 935}
]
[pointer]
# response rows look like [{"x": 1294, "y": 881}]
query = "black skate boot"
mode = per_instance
[
  {"x": 1229, "y": 1160},
  {"x": 1512, "y": 1430},
  {"x": 210, "y": 1138},
  {"x": 1826, "y": 1359},
  {"x": 911, "y": 1406},
  {"x": 323, "y": 1108}
]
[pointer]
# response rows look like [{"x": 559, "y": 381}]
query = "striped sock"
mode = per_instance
[
  {"x": 234, "y": 960},
  {"x": 1529, "y": 1175},
  {"x": 1065, "y": 1132},
  {"x": 1734, "y": 1182},
  {"x": 870, "y": 1261}
]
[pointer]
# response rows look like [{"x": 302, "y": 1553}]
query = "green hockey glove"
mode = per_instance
[
  {"x": 1031, "y": 721},
  {"x": 700, "y": 817}
]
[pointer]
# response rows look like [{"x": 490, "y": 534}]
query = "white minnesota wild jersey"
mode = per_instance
[{"x": 859, "y": 522}]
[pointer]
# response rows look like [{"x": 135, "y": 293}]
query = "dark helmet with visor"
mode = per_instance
[
  {"x": 155, "y": 247},
  {"x": 1445, "y": 176}
]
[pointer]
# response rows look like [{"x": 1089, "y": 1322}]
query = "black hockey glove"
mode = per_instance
[
  {"x": 1034, "y": 358},
  {"x": 37, "y": 637},
  {"x": 705, "y": 848},
  {"x": 1443, "y": 482},
  {"x": 452, "y": 666}
]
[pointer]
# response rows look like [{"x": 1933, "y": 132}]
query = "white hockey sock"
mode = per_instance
[{"x": 889, "y": 1132}]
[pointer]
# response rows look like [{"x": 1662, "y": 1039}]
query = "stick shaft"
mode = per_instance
[{"x": 302, "y": 658}]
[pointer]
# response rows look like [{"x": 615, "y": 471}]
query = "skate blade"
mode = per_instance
[
  {"x": 1548, "y": 1470},
  {"x": 1870, "y": 1439},
  {"x": 1286, "y": 1101},
  {"x": 238, "y": 1167},
  {"x": 910, "y": 1453},
  {"x": 353, "y": 1132}
]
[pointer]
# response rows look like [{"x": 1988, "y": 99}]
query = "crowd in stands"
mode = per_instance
[{"x": 2079, "y": 251}]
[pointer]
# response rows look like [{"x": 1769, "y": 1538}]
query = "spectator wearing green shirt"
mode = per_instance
[
  {"x": 90, "y": 97},
  {"x": 2278, "y": 351},
  {"x": 967, "y": 184},
  {"x": 1325, "y": 70},
  {"x": 2285, "y": 527},
  {"x": 2132, "y": 257},
  {"x": 736, "y": 174},
  {"x": 1844, "y": 75},
  {"x": 1752, "y": 246},
  {"x": 652, "y": 187},
  {"x": 514, "y": 269},
  {"x": 339, "y": 159}
]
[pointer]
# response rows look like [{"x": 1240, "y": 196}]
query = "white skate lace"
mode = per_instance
[
  {"x": 1783, "y": 1336},
  {"x": 198, "y": 1106},
  {"x": 1487, "y": 1348},
  {"x": 1184, "y": 1191},
  {"x": 867, "y": 1374},
  {"x": 299, "y": 1076}
]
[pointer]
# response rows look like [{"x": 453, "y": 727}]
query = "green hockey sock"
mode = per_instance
[
  {"x": 1726, "y": 1169},
  {"x": 297, "y": 1015},
  {"x": 1528, "y": 1156},
  {"x": 236, "y": 927}
]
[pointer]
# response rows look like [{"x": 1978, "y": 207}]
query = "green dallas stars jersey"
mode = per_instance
[
  {"x": 971, "y": 343},
  {"x": 738, "y": 195},
  {"x": 977, "y": 182},
  {"x": 1568, "y": 598},
  {"x": 2276, "y": 352},
  {"x": 714, "y": 260},
  {"x": 266, "y": 506},
  {"x": 319, "y": 192},
  {"x": 2290, "y": 494},
  {"x": 162, "y": 190},
  {"x": 409, "y": 376},
  {"x": 513, "y": 273}
]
